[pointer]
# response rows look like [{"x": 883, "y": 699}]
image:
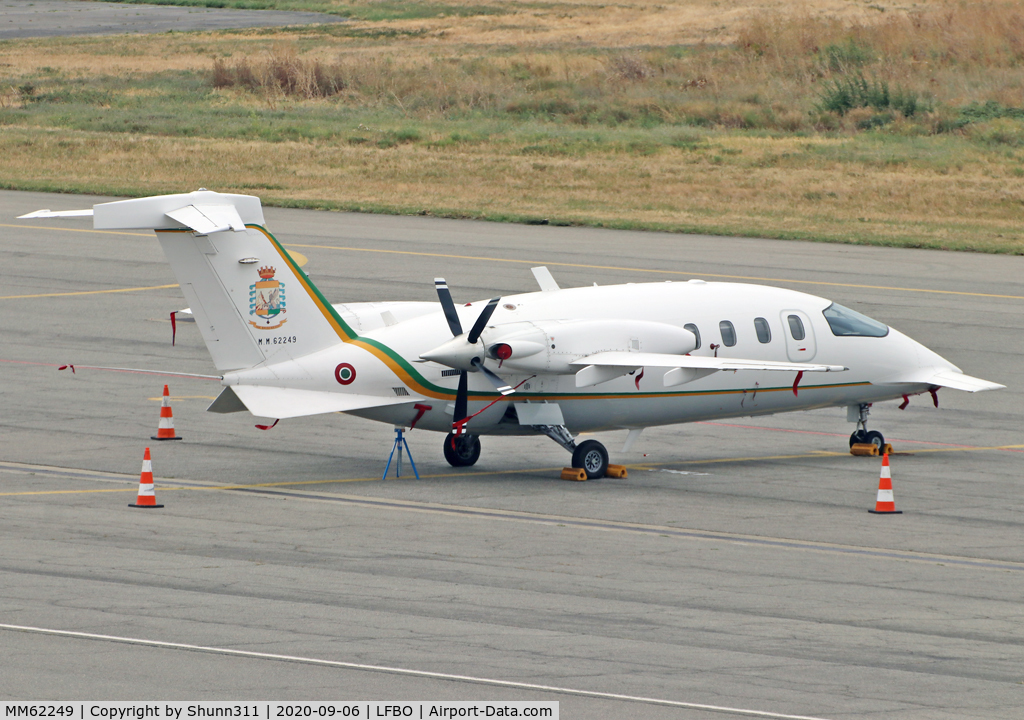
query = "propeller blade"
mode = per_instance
[
  {"x": 445, "y": 296},
  {"x": 503, "y": 387},
  {"x": 481, "y": 322},
  {"x": 462, "y": 398}
]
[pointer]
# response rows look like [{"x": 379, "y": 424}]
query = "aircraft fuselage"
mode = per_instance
[{"x": 638, "y": 399}]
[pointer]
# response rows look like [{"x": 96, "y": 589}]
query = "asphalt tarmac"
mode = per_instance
[
  {"x": 53, "y": 18},
  {"x": 736, "y": 567}
]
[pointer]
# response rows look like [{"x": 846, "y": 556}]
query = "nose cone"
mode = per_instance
[{"x": 456, "y": 353}]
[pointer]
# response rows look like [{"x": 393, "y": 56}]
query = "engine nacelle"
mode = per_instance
[{"x": 549, "y": 346}]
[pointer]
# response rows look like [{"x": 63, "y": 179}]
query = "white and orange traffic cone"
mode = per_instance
[
  {"x": 886, "y": 503},
  {"x": 147, "y": 497},
  {"x": 166, "y": 429}
]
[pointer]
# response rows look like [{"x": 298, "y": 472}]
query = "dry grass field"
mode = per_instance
[{"x": 867, "y": 122}]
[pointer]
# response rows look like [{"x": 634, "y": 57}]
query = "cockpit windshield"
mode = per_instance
[{"x": 850, "y": 323}]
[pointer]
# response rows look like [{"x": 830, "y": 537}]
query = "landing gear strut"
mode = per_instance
[
  {"x": 862, "y": 435},
  {"x": 461, "y": 450},
  {"x": 590, "y": 455}
]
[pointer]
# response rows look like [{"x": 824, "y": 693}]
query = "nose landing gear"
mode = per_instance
[{"x": 862, "y": 435}]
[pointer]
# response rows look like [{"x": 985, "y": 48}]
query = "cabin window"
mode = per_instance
[
  {"x": 850, "y": 323},
  {"x": 696, "y": 333},
  {"x": 764, "y": 333},
  {"x": 796, "y": 327},
  {"x": 728, "y": 333}
]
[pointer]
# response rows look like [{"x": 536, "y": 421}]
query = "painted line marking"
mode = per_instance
[
  {"x": 81, "y": 230},
  {"x": 89, "y": 292},
  {"x": 640, "y": 466},
  {"x": 299, "y": 258},
  {"x": 132, "y": 371},
  {"x": 566, "y": 521},
  {"x": 1011, "y": 448},
  {"x": 560, "y": 264},
  {"x": 687, "y": 273},
  {"x": 404, "y": 671},
  {"x": 650, "y": 530},
  {"x": 175, "y": 398},
  {"x": 73, "y": 492}
]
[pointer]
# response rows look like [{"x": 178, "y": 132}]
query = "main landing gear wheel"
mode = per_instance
[
  {"x": 872, "y": 437},
  {"x": 466, "y": 450},
  {"x": 592, "y": 457}
]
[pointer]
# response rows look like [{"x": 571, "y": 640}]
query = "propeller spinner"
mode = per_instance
[{"x": 463, "y": 351}]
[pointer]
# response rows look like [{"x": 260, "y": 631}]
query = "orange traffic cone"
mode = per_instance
[
  {"x": 166, "y": 429},
  {"x": 147, "y": 498},
  {"x": 886, "y": 503}
]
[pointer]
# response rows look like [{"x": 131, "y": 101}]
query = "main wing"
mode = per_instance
[{"x": 604, "y": 366}]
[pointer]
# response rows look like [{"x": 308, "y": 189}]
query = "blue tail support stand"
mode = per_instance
[{"x": 400, "y": 442}]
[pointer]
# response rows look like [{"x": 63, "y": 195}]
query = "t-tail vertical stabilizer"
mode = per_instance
[{"x": 251, "y": 301}]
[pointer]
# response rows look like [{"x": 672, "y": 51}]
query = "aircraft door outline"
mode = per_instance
[{"x": 802, "y": 349}]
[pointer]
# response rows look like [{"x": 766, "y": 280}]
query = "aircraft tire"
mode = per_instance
[
  {"x": 466, "y": 451},
  {"x": 592, "y": 457},
  {"x": 875, "y": 438},
  {"x": 857, "y": 437}
]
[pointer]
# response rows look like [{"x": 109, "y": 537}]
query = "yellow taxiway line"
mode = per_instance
[
  {"x": 176, "y": 398},
  {"x": 89, "y": 292},
  {"x": 491, "y": 473},
  {"x": 491, "y": 514},
  {"x": 81, "y": 230},
  {"x": 688, "y": 273}
]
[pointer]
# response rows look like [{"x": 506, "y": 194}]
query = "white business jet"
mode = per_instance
[{"x": 556, "y": 362}]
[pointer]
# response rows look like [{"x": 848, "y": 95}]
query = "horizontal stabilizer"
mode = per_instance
[
  {"x": 202, "y": 207},
  {"x": 58, "y": 213},
  {"x": 281, "y": 403},
  {"x": 203, "y": 211},
  {"x": 946, "y": 378}
]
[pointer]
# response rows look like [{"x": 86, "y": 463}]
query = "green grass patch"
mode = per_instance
[
  {"x": 369, "y": 11},
  {"x": 805, "y": 128},
  {"x": 844, "y": 94}
]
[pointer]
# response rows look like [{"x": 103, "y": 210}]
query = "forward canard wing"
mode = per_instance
[
  {"x": 944, "y": 377},
  {"x": 605, "y": 366}
]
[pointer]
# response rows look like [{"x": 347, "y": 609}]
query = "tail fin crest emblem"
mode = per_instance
[{"x": 267, "y": 300}]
